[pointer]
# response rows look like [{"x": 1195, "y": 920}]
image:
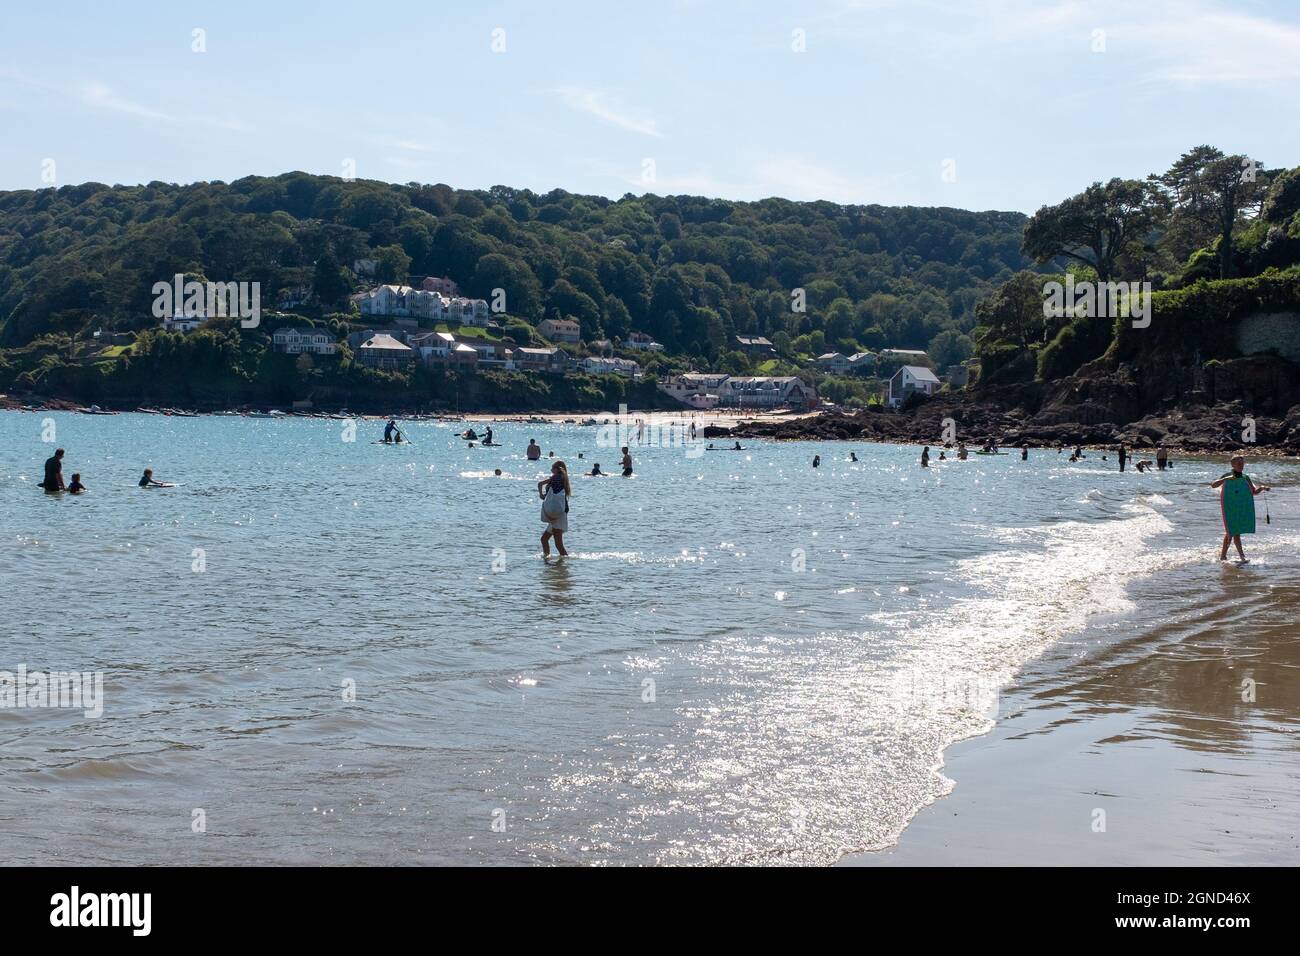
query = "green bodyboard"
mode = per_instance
[{"x": 1238, "y": 505}]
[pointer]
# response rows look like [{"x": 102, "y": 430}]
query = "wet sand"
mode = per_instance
[{"x": 1148, "y": 726}]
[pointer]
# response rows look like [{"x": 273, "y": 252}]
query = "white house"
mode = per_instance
[
  {"x": 182, "y": 323},
  {"x": 405, "y": 302},
  {"x": 909, "y": 379},
  {"x": 639, "y": 340},
  {"x": 748, "y": 391},
  {"x": 467, "y": 311},
  {"x": 293, "y": 341},
  {"x": 615, "y": 366},
  {"x": 696, "y": 389}
]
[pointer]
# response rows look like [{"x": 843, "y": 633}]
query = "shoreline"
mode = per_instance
[
  {"x": 1128, "y": 745},
  {"x": 1179, "y": 430},
  {"x": 729, "y": 424}
]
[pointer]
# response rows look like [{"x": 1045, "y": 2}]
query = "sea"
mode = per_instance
[{"x": 316, "y": 649}]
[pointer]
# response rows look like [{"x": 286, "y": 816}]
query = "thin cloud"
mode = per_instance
[
  {"x": 98, "y": 96},
  {"x": 599, "y": 104}
]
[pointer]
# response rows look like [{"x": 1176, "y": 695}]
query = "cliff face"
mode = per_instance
[
  {"x": 1122, "y": 392},
  {"x": 1148, "y": 389}
]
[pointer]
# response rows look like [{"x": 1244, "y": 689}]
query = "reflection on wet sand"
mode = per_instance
[{"x": 1223, "y": 677}]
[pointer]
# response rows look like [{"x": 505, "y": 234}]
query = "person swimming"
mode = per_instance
[
  {"x": 76, "y": 487},
  {"x": 925, "y": 457},
  {"x": 1145, "y": 465},
  {"x": 534, "y": 450},
  {"x": 961, "y": 451},
  {"x": 853, "y": 456},
  {"x": 595, "y": 471},
  {"x": 497, "y": 473},
  {"x": 627, "y": 463},
  {"x": 817, "y": 461},
  {"x": 147, "y": 480},
  {"x": 942, "y": 456},
  {"x": 487, "y": 439}
]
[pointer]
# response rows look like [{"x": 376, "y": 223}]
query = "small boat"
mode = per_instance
[{"x": 95, "y": 410}]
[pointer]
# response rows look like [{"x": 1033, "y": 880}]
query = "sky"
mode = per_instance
[{"x": 978, "y": 104}]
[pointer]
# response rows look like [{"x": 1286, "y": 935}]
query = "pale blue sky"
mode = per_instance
[{"x": 711, "y": 92}]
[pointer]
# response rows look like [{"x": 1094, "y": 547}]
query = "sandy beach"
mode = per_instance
[{"x": 1147, "y": 725}]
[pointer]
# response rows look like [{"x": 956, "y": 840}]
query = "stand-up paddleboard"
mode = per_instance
[
  {"x": 1238, "y": 506},
  {"x": 993, "y": 453}
]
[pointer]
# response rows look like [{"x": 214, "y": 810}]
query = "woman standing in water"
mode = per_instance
[
  {"x": 1237, "y": 503},
  {"x": 555, "y": 492}
]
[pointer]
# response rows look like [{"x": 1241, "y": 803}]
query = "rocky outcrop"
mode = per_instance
[{"x": 1204, "y": 428}]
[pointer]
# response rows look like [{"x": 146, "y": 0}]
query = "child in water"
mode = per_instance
[
  {"x": 1237, "y": 505},
  {"x": 76, "y": 487}
]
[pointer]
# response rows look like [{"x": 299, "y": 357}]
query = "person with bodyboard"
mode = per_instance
[{"x": 1237, "y": 504}]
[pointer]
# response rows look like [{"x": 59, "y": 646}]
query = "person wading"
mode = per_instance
[{"x": 555, "y": 492}]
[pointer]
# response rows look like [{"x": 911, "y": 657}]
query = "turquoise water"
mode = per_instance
[{"x": 744, "y": 660}]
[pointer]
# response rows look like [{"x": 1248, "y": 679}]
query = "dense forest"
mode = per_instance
[
  {"x": 1213, "y": 232},
  {"x": 692, "y": 272}
]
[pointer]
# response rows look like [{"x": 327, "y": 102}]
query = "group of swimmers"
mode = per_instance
[{"x": 52, "y": 483}]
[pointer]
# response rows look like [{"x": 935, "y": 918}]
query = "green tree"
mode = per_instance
[
  {"x": 392, "y": 264},
  {"x": 1095, "y": 227},
  {"x": 950, "y": 347},
  {"x": 1213, "y": 192}
]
